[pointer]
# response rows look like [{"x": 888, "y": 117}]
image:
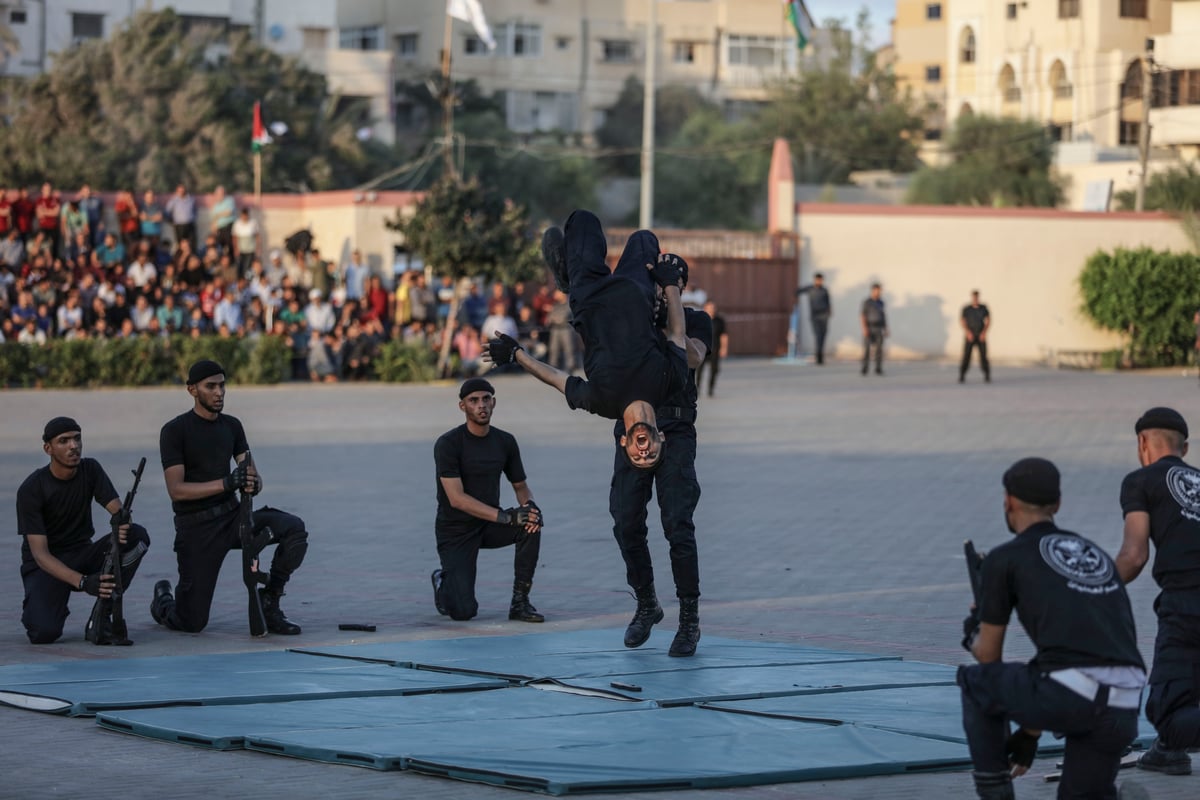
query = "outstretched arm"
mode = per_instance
[
  {"x": 545, "y": 373},
  {"x": 676, "y": 328}
]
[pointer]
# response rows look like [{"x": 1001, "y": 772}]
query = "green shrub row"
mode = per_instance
[{"x": 63, "y": 364}]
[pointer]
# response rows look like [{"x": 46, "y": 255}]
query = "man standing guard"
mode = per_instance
[
  {"x": 975, "y": 323},
  {"x": 1085, "y": 681},
  {"x": 469, "y": 461},
  {"x": 819, "y": 312},
  {"x": 874, "y": 328},
  {"x": 54, "y": 516},
  {"x": 196, "y": 449},
  {"x": 1161, "y": 503}
]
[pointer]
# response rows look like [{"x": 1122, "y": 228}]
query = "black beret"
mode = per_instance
[
  {"x": 1034, "y": 481},
  {"x": 59, "y": 426},
  {"x": 204, "y": 369},
  {"x": 474, "y": 385},
  {"x": 1161, "y": 418}
]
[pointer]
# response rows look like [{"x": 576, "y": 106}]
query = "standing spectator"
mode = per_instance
[
  {"x": 531, "y": 335},
  {"x": 12, "y": 249},
  {"x": 542, "y": 302},
  {"x": 819, "y": 312},
  {"x": 499, "y": 321},
  {"x": 874, "y": 328},
  {"x": 181, "y": 208},
  {"x": 470, "y": 349},
  {"x": 562, "y": 337},
  {"x": 152, "y": 219},
  {"x": 111, "y": 251},
  {"x": 402, "y": 311},
  {"x": 245, "y": 241},
  {"x": 422, "y": 300},
  {"x": 319, "y": 313},
  {"x": 376, "y": 303},
  {"x": 24, "y": 212},
  {"x": 474, "y": 308},
  {"x": 975, "y": 323},
  {"x": 318, "y": 272},
  {"x": 129, "y": 224},
  {"x": 354, "y": 276},
  {"x": 445, "y": 296},
  {"x": 93, "y": 209},
  {"x": 275, "y": 269},
  {"x": 224, "y": 213},
  {"x": 49, "y": 213},
  {"x": 720, "y": 349},
  {"x": 6, "y": 214}
]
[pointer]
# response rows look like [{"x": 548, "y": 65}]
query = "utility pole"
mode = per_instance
[
  {"x": 447, "y": 103},
  {"x": 646, "y": 214},
  {"x": 1144, "y": 129}
]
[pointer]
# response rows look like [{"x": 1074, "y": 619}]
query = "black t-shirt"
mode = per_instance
[
  {"x": 1067, "y": 595},
  {"x": 873, "y": 313},
  {"x": 699, "y": 326},
  {"x": 477, "y": 461},
  {"x": 718, "y": 330},
  {"x": 624, "y": 357},
  {"x": 61, "y": 510},
  {"x": 975, "y": 317},
  {"x": 206, "y": 449},
  {"x": 1169, "y": 491}
]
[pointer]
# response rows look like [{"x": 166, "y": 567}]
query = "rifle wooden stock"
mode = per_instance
[
  {"x": 251, "y": 546},
  {"x": 106, "y": 625}
]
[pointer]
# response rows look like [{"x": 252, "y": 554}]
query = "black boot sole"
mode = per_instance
[{"x": 639, "y": 642}]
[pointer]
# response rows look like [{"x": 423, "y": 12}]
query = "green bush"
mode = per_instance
[
  {"x": 398, "y": 362},
  {"x": 1149, "y": 296},
  {"x": 15, "y": 369},
  {"x": 269, "y": 360}
]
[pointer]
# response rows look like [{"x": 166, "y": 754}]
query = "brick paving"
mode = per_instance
[{"x": 833, "y": 514}]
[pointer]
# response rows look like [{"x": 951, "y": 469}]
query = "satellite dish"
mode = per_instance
[
  {"x": 364, "y": 134},
  {"x": 275, "y": 32},
  {"x": 278, "y": 128}
]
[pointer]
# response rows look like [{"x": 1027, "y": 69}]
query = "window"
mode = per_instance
[
  {"x": 1060, "y": 84},
  {"x": 87, "y": 26},
  {"x": 1060, "y": 132},
  {"x": 406, "y": 45},
  {"x": 1068, "y": 9},
  {"x": 933, "y": 134},
  {"x": 368, "y": 38},
  {"x": 1010, "y": 11},
  {"x": 315, "y": 38},
  {"x": 1130, "y": 132},
  {"x": 17, "y": 16},
  {"x": 617, "y": 50},
  {"x": 685, "y": 53},
  {"x": 519, "y": 40},
  {"x": 1178, "y": 87},
  {"x": 562, "y": 42},
  {"x": 967, "y": 51},
  {"x": 933, "y": 74},
  {"x": 757, "y": 51},
  {"x": 933, "y": 11},
  {"x": 1135, "y": 9},
  {"x": 1009, "y": 89}
]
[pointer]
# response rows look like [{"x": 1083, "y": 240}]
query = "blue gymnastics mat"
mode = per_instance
[
  {"x": 624, "y": 750},
  {"x": 579, "y": 654},
  {"x": 84, "y": 688},
  {"x": 227, "y": 727}
]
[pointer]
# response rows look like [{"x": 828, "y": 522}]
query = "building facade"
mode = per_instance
[
  {"x": 919, "y": 57},
  {"x": 1175, "y": 115}
]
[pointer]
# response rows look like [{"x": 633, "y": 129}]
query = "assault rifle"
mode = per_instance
[
  {"x": 252, "y": 545},
  {"x": 106, "y": 625},
  {"x": 974, "y": 568}
]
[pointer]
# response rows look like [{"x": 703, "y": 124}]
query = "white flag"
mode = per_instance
[{"x": 470, "y": 11}]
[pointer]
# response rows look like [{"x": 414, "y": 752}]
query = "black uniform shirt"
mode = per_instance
[
  {"x": 61, "y": 510},
  {"x": 819, "y": 306},
  {"x": 872, "y": 312},
  {"x": 975, "y": 317},
  {"x": 205, "y": 448},
  {"x": 624, "y": 357},
  {"x": 1067, "y": 595},
  {"x": 1169, "y": 491},
  {"x": 477, "y": 461}
]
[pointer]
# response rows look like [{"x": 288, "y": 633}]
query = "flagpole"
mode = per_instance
[
  {"x": 646, "y": 215},
  {"x": 447, "y": 100},
  {"x": 258, "y": 191}
]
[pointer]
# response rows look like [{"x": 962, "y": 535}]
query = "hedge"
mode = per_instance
[{"x": 63, "y": 364}]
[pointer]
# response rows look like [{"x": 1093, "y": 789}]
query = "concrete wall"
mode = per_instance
[{"x": 1025, "y": 263}]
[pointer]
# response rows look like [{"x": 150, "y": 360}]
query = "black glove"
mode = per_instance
[
  {"x": 670, "y": 270},
  {"x": 257, "y": 483},
  {"x": 503, "y": 349},
  {"x": 970, "y": 629},
  {"x": 120, "y": 518},
  {"x": 540, "y": 519},
  {"x": 91, "y": 584},
  {"x": 1021, "y": 747},
  {"x": 236, "y": 479},
  {"x": 519, "y": 516}
]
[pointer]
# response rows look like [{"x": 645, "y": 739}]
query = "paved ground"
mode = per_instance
[{"x": 833, "y": 514}]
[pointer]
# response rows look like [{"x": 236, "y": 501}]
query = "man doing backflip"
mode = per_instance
[
  {"x": 1085, "y": 681},
  {"x": 54, "y": 515},
  {"x": 1161, "y": 503},
  {"x": 197, "y": 448},
  {"x": 469, "y": 460}
]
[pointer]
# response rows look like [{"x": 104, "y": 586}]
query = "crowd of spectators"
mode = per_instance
[{"x": 76, "y": 270}]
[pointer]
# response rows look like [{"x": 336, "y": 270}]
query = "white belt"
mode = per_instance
[{"x": 1088, "y": 688}]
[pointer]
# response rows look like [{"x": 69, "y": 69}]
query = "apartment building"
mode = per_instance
[
  {"x": 558, "y": 64},
  {"x": 919, "y": 56},
  {"x": 1175, "y": 115}
]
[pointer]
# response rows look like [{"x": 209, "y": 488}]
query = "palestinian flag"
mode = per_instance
[
  {"x": 797, "y": 14},
  {"x": 260, "y": 136}
]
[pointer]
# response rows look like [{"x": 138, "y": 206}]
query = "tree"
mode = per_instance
[
  {"x": 1176, "y": 190},
  {"x": 997, "y": 162},
  {"x": 466, "y": 230},
  {"x": 1148, "y": 296},
  {"x": 152, "y": 106},
  {"x": 621, "y": 130}
]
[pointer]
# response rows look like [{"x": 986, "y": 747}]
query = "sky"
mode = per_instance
[{"x": 881, "y": 11}]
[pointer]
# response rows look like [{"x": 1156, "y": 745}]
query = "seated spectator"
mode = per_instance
[
  {"x": 128, "y": 219},
  {"x": 151, "y": 219},
  {"x": 194, "y": 273},
  {"x": 275, "y": 270},
  {"x": 474, "y": 310},
  {"x": 319, "y": 314},
  {"x": 45, "y": 319},
  {"x": 320, "y": 362},
  {"x": 142, "y": 314},
  {"x": 111, "y": 251},
  {"x": 196, "y": 324},
  {"x": 375, "y": 302},
  {"x": 499, "y": 321},
  {"x": 12, "y": 249},
  {"x": 118, "y": 312},
  {"x": 169, "y": 315},
  {"x": 254, "y": 317},
  {"x": 142, "y": 272},
  {"x": 292, "y": 315},
  {"x": 31, "y": 333},
  {"x": 228, "y": 314},
  {"x": 70, "y": 314}
]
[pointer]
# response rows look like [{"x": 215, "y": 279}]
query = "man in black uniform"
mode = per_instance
[
  {"x": 54, "y": 515},
  {"x": 469, "y": 460},
  {"x": 874, "y": 328},
  {"x": 716, "y": 349},
  {"x": 631, "y": 367},
  {"x": 1085, "y": 681},
  {"x": 1161, "y": 503},
  {"x": 819, "y": 312},
  {"x": 196, "y": 448},
  {"x": 975, "y": 323}
]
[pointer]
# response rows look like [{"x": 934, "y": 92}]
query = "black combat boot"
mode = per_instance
[
  {"x": 648, "y": 613},
  {"x": 994, "y": 786},
  {"x": 554, "y": 253},
  {"x": 1160, "y": 758},
  {"x": 277, "y": 622},
  {"x": 436, "y": 578},
  {"x": 520, "y": 608},
  {"x": 688, "y": 634},
  {"x": 162, "y": 603}
]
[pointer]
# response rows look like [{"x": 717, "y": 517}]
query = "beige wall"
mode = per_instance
[{"x": 1025, "y": 264}]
